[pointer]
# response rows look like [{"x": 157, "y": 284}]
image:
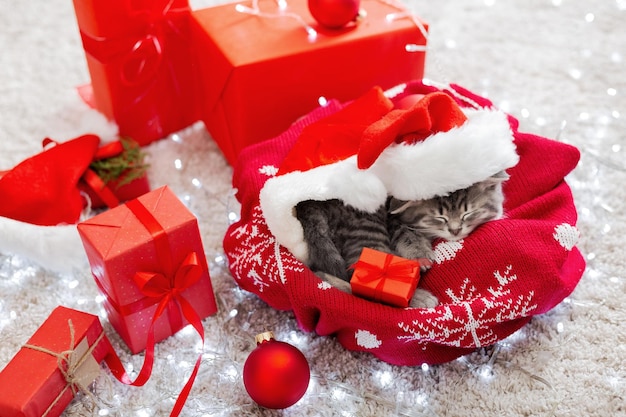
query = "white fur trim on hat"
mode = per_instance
[
  {"x": 279, "y": 196},
  {"x": 439, "y": 165},
  {"x": 449, "y": 161}
]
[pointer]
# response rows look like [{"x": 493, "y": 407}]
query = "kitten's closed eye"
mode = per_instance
[
  {"x": 470, "y": 215},
  {"x": 455, "y": 216}
]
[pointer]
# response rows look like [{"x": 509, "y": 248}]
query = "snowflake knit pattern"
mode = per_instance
[{"x": 489, "y": 285}]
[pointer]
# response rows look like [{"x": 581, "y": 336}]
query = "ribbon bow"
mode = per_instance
[
  {"x": 166, "y": 288},
  {"x": 157, "y": 285}
]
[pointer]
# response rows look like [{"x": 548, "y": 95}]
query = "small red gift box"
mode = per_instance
[
  {"x": 61, "y": 358},
  {"x": 386, "y": 278},
  {"x": 260, "y": 74},
  {"x": 147, "y": 258},
  {"x": 122, "y": 192},
  {"x": 125, "y": 177},
  {"x": 139, "y": 56}
]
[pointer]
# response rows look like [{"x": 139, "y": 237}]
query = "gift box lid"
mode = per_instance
[{"x": 107, "y": 228}]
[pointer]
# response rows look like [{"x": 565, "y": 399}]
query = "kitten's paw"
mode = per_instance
[
  {"x": 425, "y": 264},
  {"x": 336, "y": 282},
  {"x": 419, "y": 252},
  {"x": 423, "y": 299}
]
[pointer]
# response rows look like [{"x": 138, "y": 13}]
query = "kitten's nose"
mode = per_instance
[{"x": 455, "y": 231}]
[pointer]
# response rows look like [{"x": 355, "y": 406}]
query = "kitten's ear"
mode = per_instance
[
  {"x": 500, "y": 176},
  {"x": 396, "y": 206},
  {"x": 494, "y": 180}
]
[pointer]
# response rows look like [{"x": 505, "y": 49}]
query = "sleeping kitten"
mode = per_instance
[
  {"x": 336, "y": 233},
  {"x": 413, "y": 225}
]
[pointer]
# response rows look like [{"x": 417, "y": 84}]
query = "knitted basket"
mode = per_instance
[{"x": 489, "y": 285}]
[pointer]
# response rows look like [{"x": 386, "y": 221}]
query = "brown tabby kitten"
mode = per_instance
[{"x": 336, "y": 233}]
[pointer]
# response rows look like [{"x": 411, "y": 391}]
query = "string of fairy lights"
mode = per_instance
[{"x": 230, "y": 334}]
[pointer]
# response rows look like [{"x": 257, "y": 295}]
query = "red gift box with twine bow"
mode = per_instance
[
  {"x": 60, "y": 359},
  {"x": 262, "y": 70},
  {"x": 139, "y": 56},
  {"x": 386, "y": 278},
  {"x": 148, "y": 260}
]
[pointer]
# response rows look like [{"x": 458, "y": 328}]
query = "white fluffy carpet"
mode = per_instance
[{"x": 557, "y": 65}]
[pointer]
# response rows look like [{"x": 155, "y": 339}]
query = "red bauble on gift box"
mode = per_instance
[
  {"x": 259, "y": 75},
  {"x": 334, "y": 14}
]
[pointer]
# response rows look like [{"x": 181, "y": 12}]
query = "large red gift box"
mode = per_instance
[
  {"x": 385, "y": 278},
  {"x": 139, "y": 56},
  {"x": 260, "y": 74},
  {"x": 61, "y": 358},
  {"x": 144, "y": 255}
]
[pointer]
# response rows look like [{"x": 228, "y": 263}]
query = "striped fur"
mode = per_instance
[
  {"x": 414, "y": 225},
  {"x": 336, "y": 232}
]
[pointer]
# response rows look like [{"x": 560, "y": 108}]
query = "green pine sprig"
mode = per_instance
[{"x": 125, "y": 167}]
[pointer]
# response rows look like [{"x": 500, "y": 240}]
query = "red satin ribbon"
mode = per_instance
[
  {"x": 400, "y": 271},
  {"x": 109, "y": 150},
  {"x": 165, "y": 289},
  {"x": 100, "y": 188}
]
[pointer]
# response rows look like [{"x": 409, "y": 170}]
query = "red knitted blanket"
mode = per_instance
[{"x": 489, "y": 284}]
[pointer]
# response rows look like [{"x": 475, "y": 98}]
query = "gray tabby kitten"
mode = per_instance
[
  {"x": 336, "y": 233},
  {"x": 414, "y": 225}
]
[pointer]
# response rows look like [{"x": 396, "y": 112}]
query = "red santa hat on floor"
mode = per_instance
[{"x": 372, "y": 149}]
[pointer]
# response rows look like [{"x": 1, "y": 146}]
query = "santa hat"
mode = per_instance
[
  {"x": 372, "y": 149},
  {"x": 43, "y": 189}
]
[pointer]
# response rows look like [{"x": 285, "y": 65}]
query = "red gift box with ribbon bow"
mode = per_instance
[
  {"x": 385, "y": 278},
  {"x": 60, "y": 359},
  {"x": 261, "y": 70},
  {"x": 148, "y": 260},
  {"x": 139, "y": 56}
]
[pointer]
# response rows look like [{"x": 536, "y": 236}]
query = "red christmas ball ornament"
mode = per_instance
[
  {"x": 334, "y": 14},
  {"x": 276, "y": 374}
]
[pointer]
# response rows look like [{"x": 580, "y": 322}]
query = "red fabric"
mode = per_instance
[
  {"x": 435, "y": 112},
  {"x": 369, "y": 124},
  {"x": 489, "y": 285},
  {"x": 43, "y": 189},
  {"x": 336, "y": 137}
]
